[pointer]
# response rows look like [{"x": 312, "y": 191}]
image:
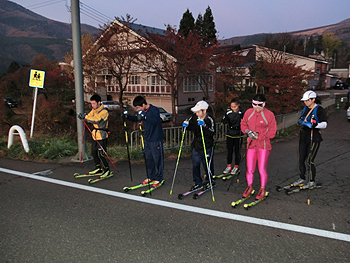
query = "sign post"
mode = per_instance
[{"x": 36, "y": 80}]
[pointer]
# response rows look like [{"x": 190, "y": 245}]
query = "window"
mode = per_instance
[
  {"x": 155, "y": 80},
  {"x": 196, "y": 83},
  {"x": 134, "y": 80}
]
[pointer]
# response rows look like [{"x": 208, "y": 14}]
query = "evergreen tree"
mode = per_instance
[
  {"x": 199, "y": 25},
  {"x": 209, "y": 31},
  {"x": 186, "y": 23}
]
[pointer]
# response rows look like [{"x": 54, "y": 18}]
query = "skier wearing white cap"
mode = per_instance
[
  {"x": 200, "y": 122},
  {"x": 313, "y": 119}
]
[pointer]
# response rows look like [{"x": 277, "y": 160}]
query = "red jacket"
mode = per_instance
[{"x": 264, "y": 123}]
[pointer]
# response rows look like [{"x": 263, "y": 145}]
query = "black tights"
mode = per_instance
[
  {"x": 307, "y": 156},
  {"x": 235, "y": 143},
  {"x": 99, "y": 155}
]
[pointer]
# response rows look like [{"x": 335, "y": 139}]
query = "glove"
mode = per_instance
[
  {"x": 252, "y": 134},
  {"x": 200, "y": 122},
  {"x": 140, "y": 116},
  {"x": 185, "y": 123},
  {"x": 125, "y": 114},
  {"x": 81, "y": 116}
]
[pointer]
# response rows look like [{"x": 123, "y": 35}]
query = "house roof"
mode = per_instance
[{"x": 145, "y": 30}]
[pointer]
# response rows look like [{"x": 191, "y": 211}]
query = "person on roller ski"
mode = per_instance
[
  {"x": 98, "y": 117},
  {"x": 260, "y": 125},
  {"x": 201, "y": 118},
  {"x": 312, "y": 120},
  {"x": 232, "y": 118},
  {"x": 153, "y": 143}
]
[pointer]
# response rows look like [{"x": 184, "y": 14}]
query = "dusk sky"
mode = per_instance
[{"x": 232, "y": 17}]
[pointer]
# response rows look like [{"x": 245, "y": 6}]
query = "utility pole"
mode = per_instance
[{"x": 82, "y": 155}]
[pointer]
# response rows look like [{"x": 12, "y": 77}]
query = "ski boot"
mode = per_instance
[
  {"x": 248, "y": 191},
  {"x": 308, "y": 185},
  {"x": 96, "y": 171}
]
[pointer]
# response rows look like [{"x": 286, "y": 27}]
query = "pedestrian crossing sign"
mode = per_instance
[{"x": 36, "y": 79}]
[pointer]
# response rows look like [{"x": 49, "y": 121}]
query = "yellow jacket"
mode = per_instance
[{"x": 99, "y": 119}]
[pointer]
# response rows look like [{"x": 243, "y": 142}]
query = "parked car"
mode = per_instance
[
  {"x": 341, "y": 85},
  {"x": 348, "y": 113},
  {"x": 11, "y": 103},
  {"x": 111, "y": 105},
  {"x": 164, "y": 115}
]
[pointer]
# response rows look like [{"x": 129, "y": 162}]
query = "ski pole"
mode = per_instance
[
  {"x": 178, "y": 159},
  {"x": 310, "y": 172},
  {"x": 127, "y": 147},
  {"x": 206, "y": 161},
  {"x": 93, "y": 136}
]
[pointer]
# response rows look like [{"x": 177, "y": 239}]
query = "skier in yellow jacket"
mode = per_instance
[{"x": 98, "y": 116}]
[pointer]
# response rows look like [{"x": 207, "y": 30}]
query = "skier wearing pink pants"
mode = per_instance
[{"x": 259, "y": 124}]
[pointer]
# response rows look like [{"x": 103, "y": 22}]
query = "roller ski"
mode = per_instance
[
  {"x": 154, "y": 187},
  {"x": 242, "y": 199},
  {"x": 193, "y": 189},
  {"x": 219, "y": 176},
  {"x": 106, "y": 175},
  {"x": 307, "y": 186},
  {"x": 225, "y": 172},
  {"x": 297, "y": 183},
  {"x": 206, "y": 188},
  {"x": 234, "y": 171},
  {"x": 129, "y": 188},
  {"x": 97, "y": 172},
  {"x": 262, "y": 195}
]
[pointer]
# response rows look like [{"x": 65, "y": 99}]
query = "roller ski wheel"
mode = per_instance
[
  {"x": 126, "y": 189},
  {"x": 180, "y": 196}
]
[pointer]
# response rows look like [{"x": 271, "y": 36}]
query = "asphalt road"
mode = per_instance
[{"x": 56, "y": 218}]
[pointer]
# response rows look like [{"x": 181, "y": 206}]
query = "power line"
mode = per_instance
[{"x": 43, "y": 4}]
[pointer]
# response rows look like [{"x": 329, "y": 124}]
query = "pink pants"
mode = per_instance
[{"x": 262, "y": 157}]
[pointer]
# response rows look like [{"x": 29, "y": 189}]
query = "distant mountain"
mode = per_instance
[
  {"x": 341, "y": 31},
  {"x": 25, "y": 34}
]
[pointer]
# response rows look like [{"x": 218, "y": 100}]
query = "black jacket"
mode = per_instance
[
  {"x": 208, "y": 132},
  {"x": 233, "y": 121}
]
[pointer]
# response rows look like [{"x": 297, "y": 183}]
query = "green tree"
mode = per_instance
[
  {"x": 330, "y": 45},
  {"x": 186, "y": 23},
  {"x": 319, "y": 44}
]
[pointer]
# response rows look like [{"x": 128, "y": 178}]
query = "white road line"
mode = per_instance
[{"x": 245, "y": 219}]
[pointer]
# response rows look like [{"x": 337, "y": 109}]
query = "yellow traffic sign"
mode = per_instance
[{"x": 36, "y": 79}]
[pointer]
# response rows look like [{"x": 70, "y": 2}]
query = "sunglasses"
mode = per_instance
[{"x": 260, "y": 105}]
